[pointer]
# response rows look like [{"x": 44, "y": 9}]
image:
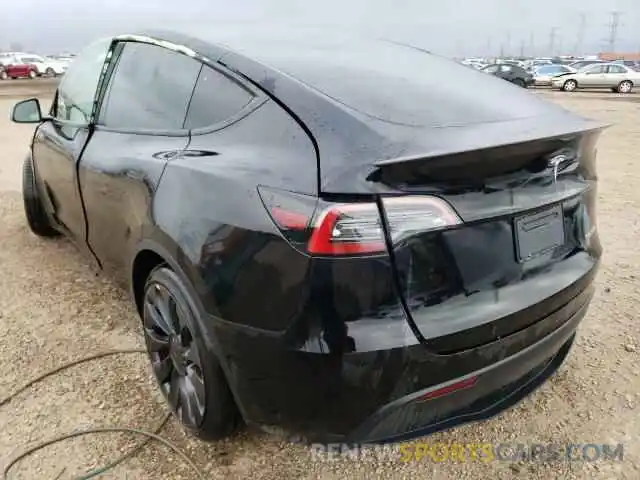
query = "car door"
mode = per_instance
[
  {"x": 615, "y": 74},
  {"x": 139, "y": 127},
  {"x": 593, "y": 76},
  {"x": 16, "y": 68},
  {"x": 58, "y": 143}
]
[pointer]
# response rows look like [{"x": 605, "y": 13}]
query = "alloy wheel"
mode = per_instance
[
  {"x": 174, "y": 355},
  {"x": 625, "y": 87}
]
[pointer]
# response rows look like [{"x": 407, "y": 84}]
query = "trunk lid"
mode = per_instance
[{"x": 526, "y": 246}]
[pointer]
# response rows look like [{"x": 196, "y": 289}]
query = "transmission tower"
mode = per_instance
[
  {"x": 613, "y": 31},
  {"x": 577, "y": 50},
  {"x": 531, "y": 44},
  {"x": 552, "y": 40}
]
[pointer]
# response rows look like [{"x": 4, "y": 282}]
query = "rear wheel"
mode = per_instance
[
  {"x": 625, "y": 87},
  {"x": 36, "y": 216},
  {"x": 3, "y": 75},
  {"x": 570, "y": 85},
  {"x": 50, "y": 72},
  {"x": 188, "y": 373},
  {"x": 32, "y": 74},
  {"x": 519, "y": 82}
]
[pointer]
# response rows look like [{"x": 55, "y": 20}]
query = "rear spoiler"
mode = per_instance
[{"x": 455, "y": 141}]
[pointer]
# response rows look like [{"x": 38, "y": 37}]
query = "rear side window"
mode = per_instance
[
  {"x": 150, "y": 89},
  {"x": 215, "y": 99},
  {"x": 617, "y": 69}
]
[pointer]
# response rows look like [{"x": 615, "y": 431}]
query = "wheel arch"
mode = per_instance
[
  {"x": 157, "y": 250},
  {"x": 161, "y": 249}
]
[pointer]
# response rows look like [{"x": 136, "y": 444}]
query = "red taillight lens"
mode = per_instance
[
  {"x": 353, "y": 228},
  {"x": 347, "y": 229}
]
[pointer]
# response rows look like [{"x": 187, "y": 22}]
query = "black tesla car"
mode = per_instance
[{"x": 318, "y": 233}]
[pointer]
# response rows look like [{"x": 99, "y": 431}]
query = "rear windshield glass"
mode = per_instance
[{"x": 398, "y": 84}]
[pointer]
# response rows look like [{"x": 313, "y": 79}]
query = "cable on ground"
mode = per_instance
[{"x": 149, "y": 435}]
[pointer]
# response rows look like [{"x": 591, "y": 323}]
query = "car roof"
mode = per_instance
[{"x": 361, "y": 74}]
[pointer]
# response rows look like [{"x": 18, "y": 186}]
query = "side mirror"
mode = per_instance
[{"x": 27, "y": 111}]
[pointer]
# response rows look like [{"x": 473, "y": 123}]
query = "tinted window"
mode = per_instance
[
  {"x": 150, "y": 89},
  {"x": 506, "y": 68},
  {"x": 78, "y": 87},
  {"x": 215, "y": 98},
  {"x": 492, "y": 69}
]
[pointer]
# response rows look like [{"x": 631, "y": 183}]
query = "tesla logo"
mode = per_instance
[{"x": 555, "y": 163}]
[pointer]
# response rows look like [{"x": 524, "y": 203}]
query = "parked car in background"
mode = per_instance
[
  {"x": 511, "y": 73},
  {"x": 615, "y": 77},
  {"x": 584, "y": 63},
  {"x": 474, "y": 64},
  {"x": 531, "y": 65},
  {"x": 5, "y": 57},
  {"x": 14, "y": 68},
  {"x": 543, "y": 74},
  {"x": 44, "y": 66},
  {"x": 344, "y": 263},
  {"x": 66, "y": 59},
  {"x": 633, "y": 64}
]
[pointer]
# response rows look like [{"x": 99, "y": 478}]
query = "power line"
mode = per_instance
[{"x": 521, "y": 48}]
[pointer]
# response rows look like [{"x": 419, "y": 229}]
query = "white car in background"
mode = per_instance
[
  {"x": 617, "y": 78},
  {"x": 48, "y": 67}
]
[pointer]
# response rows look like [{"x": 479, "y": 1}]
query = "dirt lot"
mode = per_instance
[{"x": 54, "y": 308}]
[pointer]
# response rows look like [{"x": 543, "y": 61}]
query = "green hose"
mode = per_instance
[{"x": 149, "y": 435}]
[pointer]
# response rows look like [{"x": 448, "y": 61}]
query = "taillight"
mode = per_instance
[{"x": 333, "y": 229}]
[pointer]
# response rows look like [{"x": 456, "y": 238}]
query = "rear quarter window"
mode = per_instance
[{"x": 216, "y": 98}]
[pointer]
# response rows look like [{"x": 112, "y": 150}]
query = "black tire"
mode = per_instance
[
  {"x": 570, "y": 86},
  {"x": 519, "y": 82},
  {"x": 32, "y": 74},
  {"x": 50, "y": 72},
  {"x": 186, "y": 370},
  {"x": 37, "y": 218},
  {"x": 625, "y": 86}
]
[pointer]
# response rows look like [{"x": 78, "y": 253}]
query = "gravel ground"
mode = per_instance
[{"x": 54, "y": 308}]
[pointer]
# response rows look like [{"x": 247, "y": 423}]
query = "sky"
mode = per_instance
[{"x": 452, "y": 27}]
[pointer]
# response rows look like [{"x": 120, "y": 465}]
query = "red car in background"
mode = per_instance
[{"x": 12, "y": 68}]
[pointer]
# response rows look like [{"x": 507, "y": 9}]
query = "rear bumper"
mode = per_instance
[
  {"x": 374, "y": 396},
  {"x": 497, "y": 388}
]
